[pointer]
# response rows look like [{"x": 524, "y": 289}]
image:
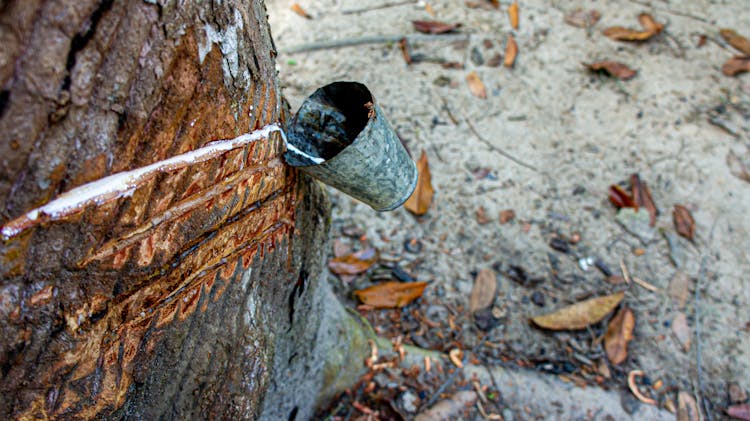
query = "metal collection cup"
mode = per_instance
[{"x": 341, "y": 137}]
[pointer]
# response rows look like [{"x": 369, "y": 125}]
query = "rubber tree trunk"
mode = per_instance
[{"x": 195, "y": 290}]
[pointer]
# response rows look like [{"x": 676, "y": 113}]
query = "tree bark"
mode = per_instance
[{"x": 183, "y": 293}]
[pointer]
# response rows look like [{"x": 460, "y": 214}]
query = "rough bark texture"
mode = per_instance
[{"x": 167, "y": 302}]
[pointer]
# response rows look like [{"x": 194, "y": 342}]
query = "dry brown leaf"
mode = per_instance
[
  {"x": 620, "y": 33},
  {"x": 354, "y": 263},
  {"x": 296, "y": 8},
  {"x": 434, "y": 27},
  {"x": 511, "y": 51},
  {"x": 736, "y": 65},
  {"x": 403, "y": 45},
  {"x": 456, "y": 355},
  {"x": 507, "y": 215},
  {"x": 683, "y": 222},
  {"x": 741, "y": 411},
  {"x": 495, "y": 60},
  {"x": 579, "y": 315},
  {"x": 736, "y": 40},
  {"x": 391, "y": 294},
  {"x": 421, "y": 199},
  {"x": 483, "y": 4},
  {"x": 681, "y": 330},
  {"x": 687, "y": 408},
  {"x": 476, "y": 86},
  {"x": 583, "y": 18},
  {"x": 738, "y": 167},
  {"x": 513, "y": 14},
  {"x": 620, "y": 198},
  {"x": 633, "y": 386},
  {"x": 613, "y": 68},
  {"x": 483, "y": 291},
  {"x": 649, "y": 24},
  {"x": 642, "y": 197},
  {"x": 619, "y": 333},
  {"x": 678, "y": 289},
  {"x": 650, "y": 28},
  {"x": 482, "y": 216}
]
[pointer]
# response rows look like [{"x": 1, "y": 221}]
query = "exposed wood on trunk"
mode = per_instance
[{"x": 160, "y": 302}]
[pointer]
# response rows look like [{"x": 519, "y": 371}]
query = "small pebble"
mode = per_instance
[
  {"x": 538, "y": 298},
  {"x": 476, "y": 57},
  {"x": 412, "y": 245},
  {"x": 559, "y": 244}
]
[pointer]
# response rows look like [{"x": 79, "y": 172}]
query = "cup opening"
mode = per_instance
[{"x": 327, "y": 122}]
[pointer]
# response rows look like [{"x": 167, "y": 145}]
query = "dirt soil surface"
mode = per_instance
[{"x": 547, "y": 142}]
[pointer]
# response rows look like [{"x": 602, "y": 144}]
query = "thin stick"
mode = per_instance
[
  {"x": 645, "y": 284},
  {"x": 498, "y": 150},
  {"x": 382, "y": 6},
  {"x": 371, "y": 39}
]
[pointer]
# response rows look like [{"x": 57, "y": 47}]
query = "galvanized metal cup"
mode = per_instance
[{"x": 341, "y": 137}]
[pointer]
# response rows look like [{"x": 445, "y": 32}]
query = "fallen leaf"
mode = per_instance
[
  {"x": 649, "y": 24},
  {"x": 736, "y": 40},
  {"x": 511, "y": 50},
  {"x": 354, "y": 263},
  {"x": 642, "y": 197},
  {"x": 583, "y": 18},
  {"x": 633, "y": 386},
  {"x": 683, "y": 222},
  {"x": 513, "y": 14},
  {"x": 603, "y": 369},
  {"x": 483, "y": 4},
  {"x": 495, "y": 60},
  {"x": 616, "y": 279},
  {"x": 619, "y": 333},
  {"x": 296, "y": 8},
  {"x": 681, "y": 330},
  {"x": 741, "y": 412},
  {"x": 650, "y": 28},
  {"x": 434, "y": 27},
  {"x": 403, "y": 45},
  {"x": 507, "y": 215},
  {"x": 620, "y": 33},
  {"x": 483, "y": 291},
  {"x": 482, "y": 216},
  {"x": 702, "y": 40},
  {"x": 613, "y": 68},
  {"x": 456, "y": 355},
  {"x": 476, "y": 86},
  {"x": 736, "y": 65},
  {"x": 678, "y": 289},
  {"x": 687, "y": 408},
  {"x": 738, "y": 167},
  {"x": 421, "y": 199},
  {"x": 620, "y": 198},
  {"x": 391, "y": 294},
  {"x": 579, "y": 315},
  {"x": 452, "y": 65}
]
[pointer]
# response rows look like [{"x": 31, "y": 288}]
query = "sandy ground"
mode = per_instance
[{"x": 577, "y": 133}]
